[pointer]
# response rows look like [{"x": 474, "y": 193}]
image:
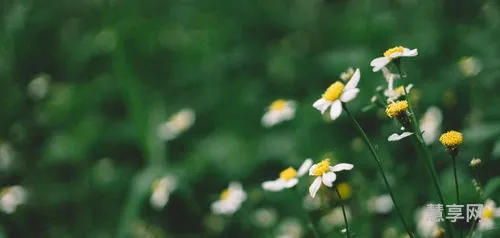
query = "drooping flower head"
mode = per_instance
[
  {"x": 230, "y": 199},
  {"x": 280, "y": 110},
  {"x": 325, "y": 174},
  {"x": 390, "y": 55},
  {"x": 338, "y": 93},
  {"x": 288, "y": 178}
]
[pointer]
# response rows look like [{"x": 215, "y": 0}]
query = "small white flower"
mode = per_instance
[
  {"x": 430, "y": 124},
  {"x": 380, "y": 204},
  {"x": 279, "y": 111},
  {"x": 345, "y": 76},
  {"x": 475, "y": 162},
  {"x": 11, "y": 197},
  {"x": 393, "y": 94},
  {"x": 425, "y": 227},
  {"x": 490, "y": 212},
  {"x": 288, "y": 177},
  {"x": 397, "y": 137},
  {"x": 161, "y": 190},
  {"x": 334, "y": 218},
  {"x": 325, "y": 174},
  {"x": 39, "y": 86},
  {"x": 177, "y": 124},
  {"x": 230, "y": 199},
  {"x": 290, "y": 228},
  {"x": 336, "y": 94},
  {"x": 391, "y": 54},
  {"x": 264, "y": 217},
  {"x": 470, "y": 66}
]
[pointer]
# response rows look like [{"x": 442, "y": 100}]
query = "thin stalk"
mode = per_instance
[
  {"x": 381, "y": 168},
  {"x": 343, "y": 213},
  {"x": 456, "y": 187},
  {"x": 472, "y": 228},
  {"x": 425, "y": 152}
]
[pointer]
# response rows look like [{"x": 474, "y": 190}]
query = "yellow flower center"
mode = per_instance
[
  {"x": 278, "y": 105},
  {"x": 397, "y": 49},
  {"x": 451, "y": 139},
  {"x": 288, "y": 174},
  {"x": 333, "y": 92},
  {"x": 322, "y": 167},
  {"x": 344, "y": 190},
  {"x": 488, "y": 213},
  {"x": 396, "y": 109},
  {"x": 225, "y": 194}
]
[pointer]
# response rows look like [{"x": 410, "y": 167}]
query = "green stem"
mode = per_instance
[
  {"x": 456, "y": 187},
  {"x": 381, "y": 168},
  {"x": 425, "y": 152},
  {"x": 472, "y": 228},
  {"x": 310, "y": 223},
  {"x": 343, "y": 212}
]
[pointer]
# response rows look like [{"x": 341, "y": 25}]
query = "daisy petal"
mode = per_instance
[
  {"x": 311, "y": 170},
  {"x": 269, "y": 119},
  {"x": 329, "y": 178},
  {"x": 336, "y": 109},
  {"x": 409, "y": 53},
  {"x": 353, "y": 82},
  {"x": 275, "y": 185},
  {"x": 321, "y": 104},
  {"x": 313, "y": 189},
  {"x": 341, "y": 166},
  {"x": 396, "y": 137},
  {"x": 304, "y": 167},
  {"x": 379, "y": 63},
  {"x": 349, "y": 95},
  {"x": 290, "y": 183}
]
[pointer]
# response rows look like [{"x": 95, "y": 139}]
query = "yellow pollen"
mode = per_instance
[
  {"x": 396, "y": 109},
  {"x": 344, "y": 190},
  {"x": 451, "y": 139},
  {"x": 397, "y": 49},
  {"x": 333, "y": 92},
  {"x": 225, "y": 194},
  {"x": 288, "y": 174},
  {"x": 488, "y": 213},
  {"x": 322, "y": 167},
  {"x": 278, "y": 105}
]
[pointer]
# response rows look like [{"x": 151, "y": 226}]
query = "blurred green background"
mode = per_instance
[{"x": 87, "y": 153}]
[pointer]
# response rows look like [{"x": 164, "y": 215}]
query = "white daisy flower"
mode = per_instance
[
  {"x": 334, "y": 218},
  {"x": 279, "y": 111},
  {"x": 393, "y": 94},
  {"x": 345, "y": 76},
  {"x": 470, "y": 66},
  {"x": 325, "y": 174},
  {"x": 397, "y": 137},
  {"x": 264, "y": 217},
  {"x": 230, "y": 199},
  {"x": 39, "y": 86},
  {"x": 490, "y": 212},
  {"x": 425, "y": 227},
  {"x": 430, "y": 124},
  {"x": 392, "y": 54},
  {"x": 11, "y": 197},
  {"x": 380, "y": 204},
  {"x": 177, "y": 124},
  {"x": 288, "y": 177},
  {"x": 336, "y": 94},
  {"x": 290, "y": 228},
  {"x": 161, "y": 190}
]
